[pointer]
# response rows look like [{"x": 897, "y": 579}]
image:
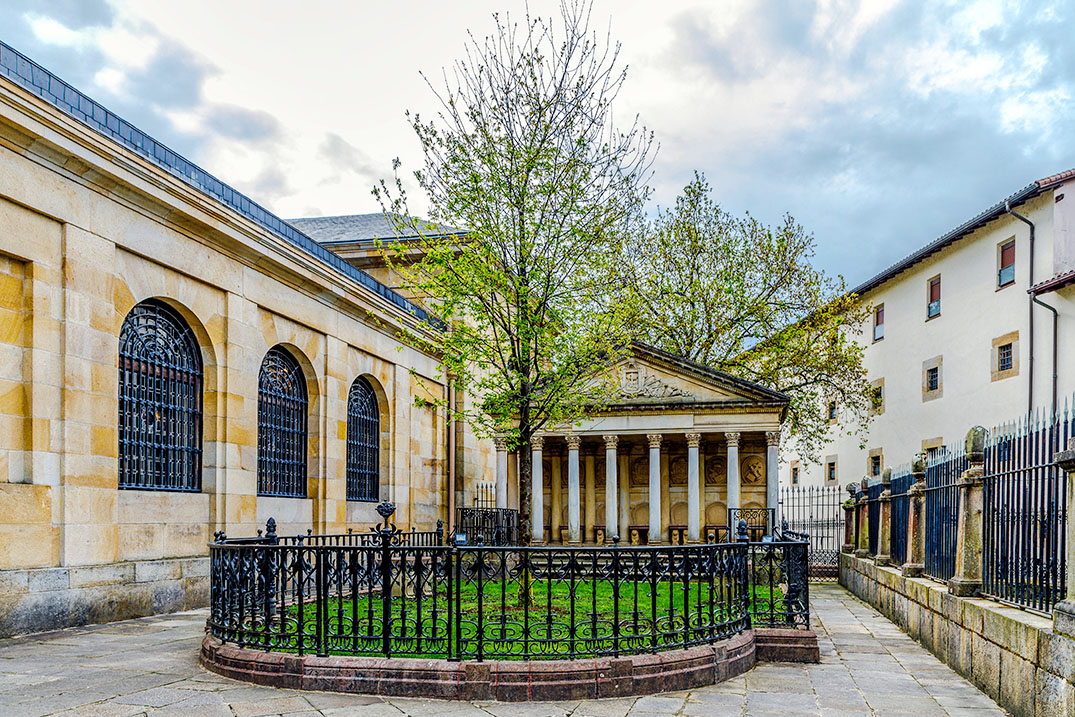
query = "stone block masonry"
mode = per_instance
[
  {"x": 35, "y": 600},
  {"x": 1012, "y": 655}
]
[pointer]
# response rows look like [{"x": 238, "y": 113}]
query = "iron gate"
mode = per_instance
[{"x": 818, "y": 512}]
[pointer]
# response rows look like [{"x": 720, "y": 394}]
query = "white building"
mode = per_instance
[{"x": 969, "y": 330}]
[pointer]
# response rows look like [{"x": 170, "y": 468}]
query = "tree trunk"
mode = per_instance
[{"x": 526, "y": 471}]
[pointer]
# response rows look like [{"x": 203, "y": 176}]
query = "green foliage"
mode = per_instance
[
  {"x": 744, "y": 297},
  {"x": 524, "y": 154}
]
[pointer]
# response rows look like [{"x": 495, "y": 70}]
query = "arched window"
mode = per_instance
[
  {"x": 160, "y": 401},
  {"x": 282, "y": 407},
  {"x": 363, "y": 442}
]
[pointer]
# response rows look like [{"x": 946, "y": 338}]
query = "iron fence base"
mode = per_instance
[
  {"x": 962, "y": 587},
  {"x": 862, "y": 553},
  {"x": 1064, "y": 618},
  {"x": 883, "y": 559}
]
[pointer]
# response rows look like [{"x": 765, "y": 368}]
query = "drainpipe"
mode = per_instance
[
  {"x": 1030, "y": 310},
  {"x": 1056, "y": 318}
]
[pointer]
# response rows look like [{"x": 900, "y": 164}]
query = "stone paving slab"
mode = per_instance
[{"x": 149, "y": 666}]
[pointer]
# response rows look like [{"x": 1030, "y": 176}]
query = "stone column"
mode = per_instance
[
  {"x": 884, "y": 523},
  {"x": 967, "y": 580},
  {"x": 501, "y": 472},
  {"x": 916, "y": 520},
  {"x": 694, "y": 511},
  {"x": 655, "y": 537},
  {"x": 590, "y": 499},
  {"x": 849, "y": 520},
  {"x": 611, "y": 489},
  {"x": 625, "y": 497},
  {"x": 862, "y": 505},
  {"x": 772, "y": 476},
  {"x": 1064, "y": 611},
  {"x": 557, "y": 505},
  {"x": 537, "y": 492},
  {"x": 733, "y": 473},
  {"x": 574, "y": 530}
]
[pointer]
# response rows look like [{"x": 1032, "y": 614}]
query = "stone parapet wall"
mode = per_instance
[
  {"x": 1011, "y": 655},
  {"x": 41, "y": 599}
]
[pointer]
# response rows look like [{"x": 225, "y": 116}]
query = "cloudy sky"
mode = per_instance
[{"x": 879, "y": 125}]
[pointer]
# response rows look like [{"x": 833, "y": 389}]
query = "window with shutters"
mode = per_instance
[
  {"x": 933, "y": 307},
  {"x": 1006, "y": 271},
  {"x": 160, "y": 401},
  {"x": 879, "y": 322}
]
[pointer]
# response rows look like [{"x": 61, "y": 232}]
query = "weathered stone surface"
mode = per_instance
[{"x": 48, "y": 579}]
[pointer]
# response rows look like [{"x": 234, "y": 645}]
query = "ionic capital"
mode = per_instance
[
  {"x": 693, "y": 440},
  {"x": 654, "y": 439},
  {"x": 772, "y": 438},
  {"x": 733, "y": 439},
  {"x": 573, "y": 440},
  {"x": 611, "y": 442}
]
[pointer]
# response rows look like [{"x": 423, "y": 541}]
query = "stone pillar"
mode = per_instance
[
  {"x": 772, "y": 476},
  {"x": 862, "y": 506},
  {"x": 557, "y": 505},
  {"x": 694, "y": 511},
  {"x": 850, "y": 539},
  {"x": 590, "y": 499},
  {"x": 574, "y": 530},
  {"x": 501, "y": 472},
  {"x": 884, "y": 524},
  {"x": 916, "y": 520},
  {"x": 537, "y": 492},
  {"x": 655, "y": 537},
  {"x": 625, "y": 496},
  {"x": 967, "y": 580},
  {"x": 733, "y": 473},
  {"x": 1064, "y": 611},
  {"x": 612, "y": 527}
]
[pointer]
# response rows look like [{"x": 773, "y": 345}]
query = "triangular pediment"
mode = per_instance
[{"x": 649, "y": 376}]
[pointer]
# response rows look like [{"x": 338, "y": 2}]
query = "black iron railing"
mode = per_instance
[
  {"x": 322, "y": 596},
  {"x": 490, "y": 526},
  {"x": 902, "y": 478},
  {"x": 817, "y": 512},
  {"x": 943, "y": 470},
  {"x": 759, "y": 521},
  {"x": 1024, "y": 518},
  {"x": 873, "y": 514}
]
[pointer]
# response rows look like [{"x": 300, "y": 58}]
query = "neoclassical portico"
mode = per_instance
[{"x": 680, "y": 445}]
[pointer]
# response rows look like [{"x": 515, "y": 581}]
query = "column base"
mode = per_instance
[
  {"x": 912, "y": 570},
  {"x": 963, "y": 587},
  {"x": 656, "y": 542},
  {"x": 1064, "y": 618},
  {"x": 862, "y": 553},
  {"x": 574, "y": 543}
]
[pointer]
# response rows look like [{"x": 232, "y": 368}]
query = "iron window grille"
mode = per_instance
[
  {"x": 875, "y": 465},
  {"x": 160, "y": 401},
  {"x": 363, "y": 442},
  {"x": 282, "y": 408},
  {"x": 830, "y": 470},
  {"x": 1004, "y": 357}
]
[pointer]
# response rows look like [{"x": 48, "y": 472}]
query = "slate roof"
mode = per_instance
[{"x": 362, "y": 228}]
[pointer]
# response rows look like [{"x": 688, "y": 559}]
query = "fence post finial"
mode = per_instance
[{"x": 975, "y": 444}]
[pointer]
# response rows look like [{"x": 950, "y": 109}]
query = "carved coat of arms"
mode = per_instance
[{"x": 634, "y": 383}]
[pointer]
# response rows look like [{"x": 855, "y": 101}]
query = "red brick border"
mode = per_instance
[{"x": 507, "y": 680}]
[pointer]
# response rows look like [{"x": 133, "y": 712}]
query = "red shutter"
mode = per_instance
[
  {"x": 1007, "y": 255},
  {"x": 935, "y": 290}
]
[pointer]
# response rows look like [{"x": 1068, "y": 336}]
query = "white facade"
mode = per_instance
[{"x": 966, "y": 342}]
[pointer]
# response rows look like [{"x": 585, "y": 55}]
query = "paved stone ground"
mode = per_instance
[{"x": 149, "y": 666}]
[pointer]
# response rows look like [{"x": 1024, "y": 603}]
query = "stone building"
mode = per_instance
[{"x": 176, "y": 361}]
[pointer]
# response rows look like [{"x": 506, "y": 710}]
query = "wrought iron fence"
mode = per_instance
[
  {"x": 943, "y": 469},
  {"x": 902, "y": 479},
  {"x": 1024, "y": 514},
  {"x": 487, "y": 602},
  {"x": 817, "y": 513},
  {"x": 873, "y": 514},
  {"x": 485, "y": 495},
  {"x": 490, "y": 526},
  {"x": 759, "y": 521}
]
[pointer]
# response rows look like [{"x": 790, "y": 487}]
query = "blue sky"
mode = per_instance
[{"x": 878, "y": 125}]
